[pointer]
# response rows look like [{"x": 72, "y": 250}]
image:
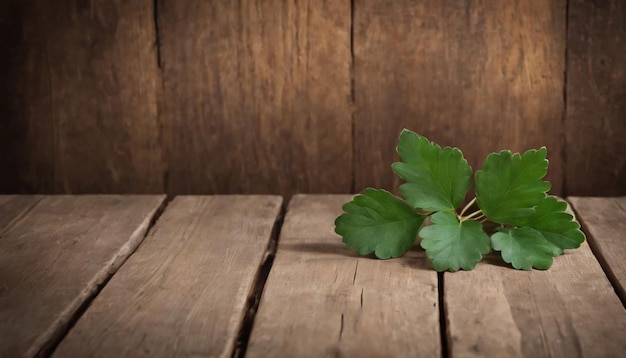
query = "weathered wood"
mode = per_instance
[
  {"x": 479, "y": 75},
  {"x": 54, "y": 259},
  {"x": 13, "y": 208},
  {"x": 595, "y": 125},
  {"x": 604, "y": 219},
  {"x": 322, "y": 300},
  {"x": 183, "y": 293},
  {"x": 83, "y": 98},
  {"x": 569, "y": 310},
  {"x": 257, "y": 96}
]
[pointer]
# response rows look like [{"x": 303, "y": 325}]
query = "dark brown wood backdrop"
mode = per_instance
[{"x": 274, "y": 96}]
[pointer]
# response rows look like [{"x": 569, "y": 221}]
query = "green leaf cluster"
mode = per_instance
[{"x": 528, "y": 227}]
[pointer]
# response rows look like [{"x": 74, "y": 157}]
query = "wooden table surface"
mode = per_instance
[{"x": 222, "y": 276}]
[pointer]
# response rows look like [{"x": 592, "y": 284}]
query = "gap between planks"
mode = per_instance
[
  {"x": 26, "y": 204},
  {"x": 569, "y": 310},
  {"x": 39, "y": 294},
  {"x": 254, "y": 298},
  {"x": 324, "y": 300},
  {"x": 602, "y": 219},
  {"x": 164, "y": 300},
  {"x": 48, "y": 349}
]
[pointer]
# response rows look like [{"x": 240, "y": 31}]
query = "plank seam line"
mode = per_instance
[
  {"x": 19, "y": 218},
  {"x": 157, "y": 32},
  {"x": 341, "y": 327},
  {"x": 158, "y": 42},
  {"x": 597, "y": 253},
  {"x": 620, "y": 206},
  {"x": 254, "y": 297},
  {"x": 353, "y": 100},
  {"x": 564, "y": 189},
  {"x": 48, "y": 342},
  {"x": 443, "y": 323}
]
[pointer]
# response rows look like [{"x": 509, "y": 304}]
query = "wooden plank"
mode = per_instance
[
  {"x": 183, "y": 293},
  {"x": 570, "y": 310},
  {"x": 14, "y": 207},
  {"x": 322, "y": 300},
  {"x": 595, "y": 125},
  {"x": 54, "y": 259},
  {"x": 479, "y": 75},
  {"x": 604, "y": 220},
  {"x": 266, "y": 84},
  {"x": 83, "y": 99}
]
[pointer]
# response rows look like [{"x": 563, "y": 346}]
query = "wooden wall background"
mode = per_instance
[{"x": 286, "y": 96}]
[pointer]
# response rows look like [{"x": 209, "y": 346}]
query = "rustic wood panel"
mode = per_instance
[
  {"x": 570, "y": 310},
  {"x": 322, "y": 300},
  {"x": 183, "y": 293},
  {"x": 257, "y": 96},
  {"x": 604, "y": 219},
  {"x": 596, "y": 98},
  {"x": 84, "y": 98},
  {"x": 14, "y": 207},
  {"x": 53, "y": 260},
  {"x": 479, "y": 75}
]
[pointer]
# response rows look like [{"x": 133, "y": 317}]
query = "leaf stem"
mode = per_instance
[
  {"x": 476, "y": 215},
  {"x": 467, "y": 207},
  {"x": 480, "y": 217}
]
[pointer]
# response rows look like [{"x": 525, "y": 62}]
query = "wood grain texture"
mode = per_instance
[
  {"x": 257, "y": 96},
  {"x": 84, "y": 98},
  {"x": 479, "y": 75},
  {"x": 183, "y": 293},
  {"x": 569, "y": 310},
  {"x": 604, "y": 220},
  {"x": 14, "y": 207},
  {"x": 54, "y": 259},
  {"x": 596, "y": 98},
  {"x": 321, "y": 300}
]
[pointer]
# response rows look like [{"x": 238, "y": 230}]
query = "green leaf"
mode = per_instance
[
  {"x": 509, "y": 186},
  {"x": 376, "y": 221},
  {"x": 454, "y": 245},
  {"x": 524, "y": 248},
  {"x": 437, "y": 179},
  {"x": 556, "y": 225}
]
